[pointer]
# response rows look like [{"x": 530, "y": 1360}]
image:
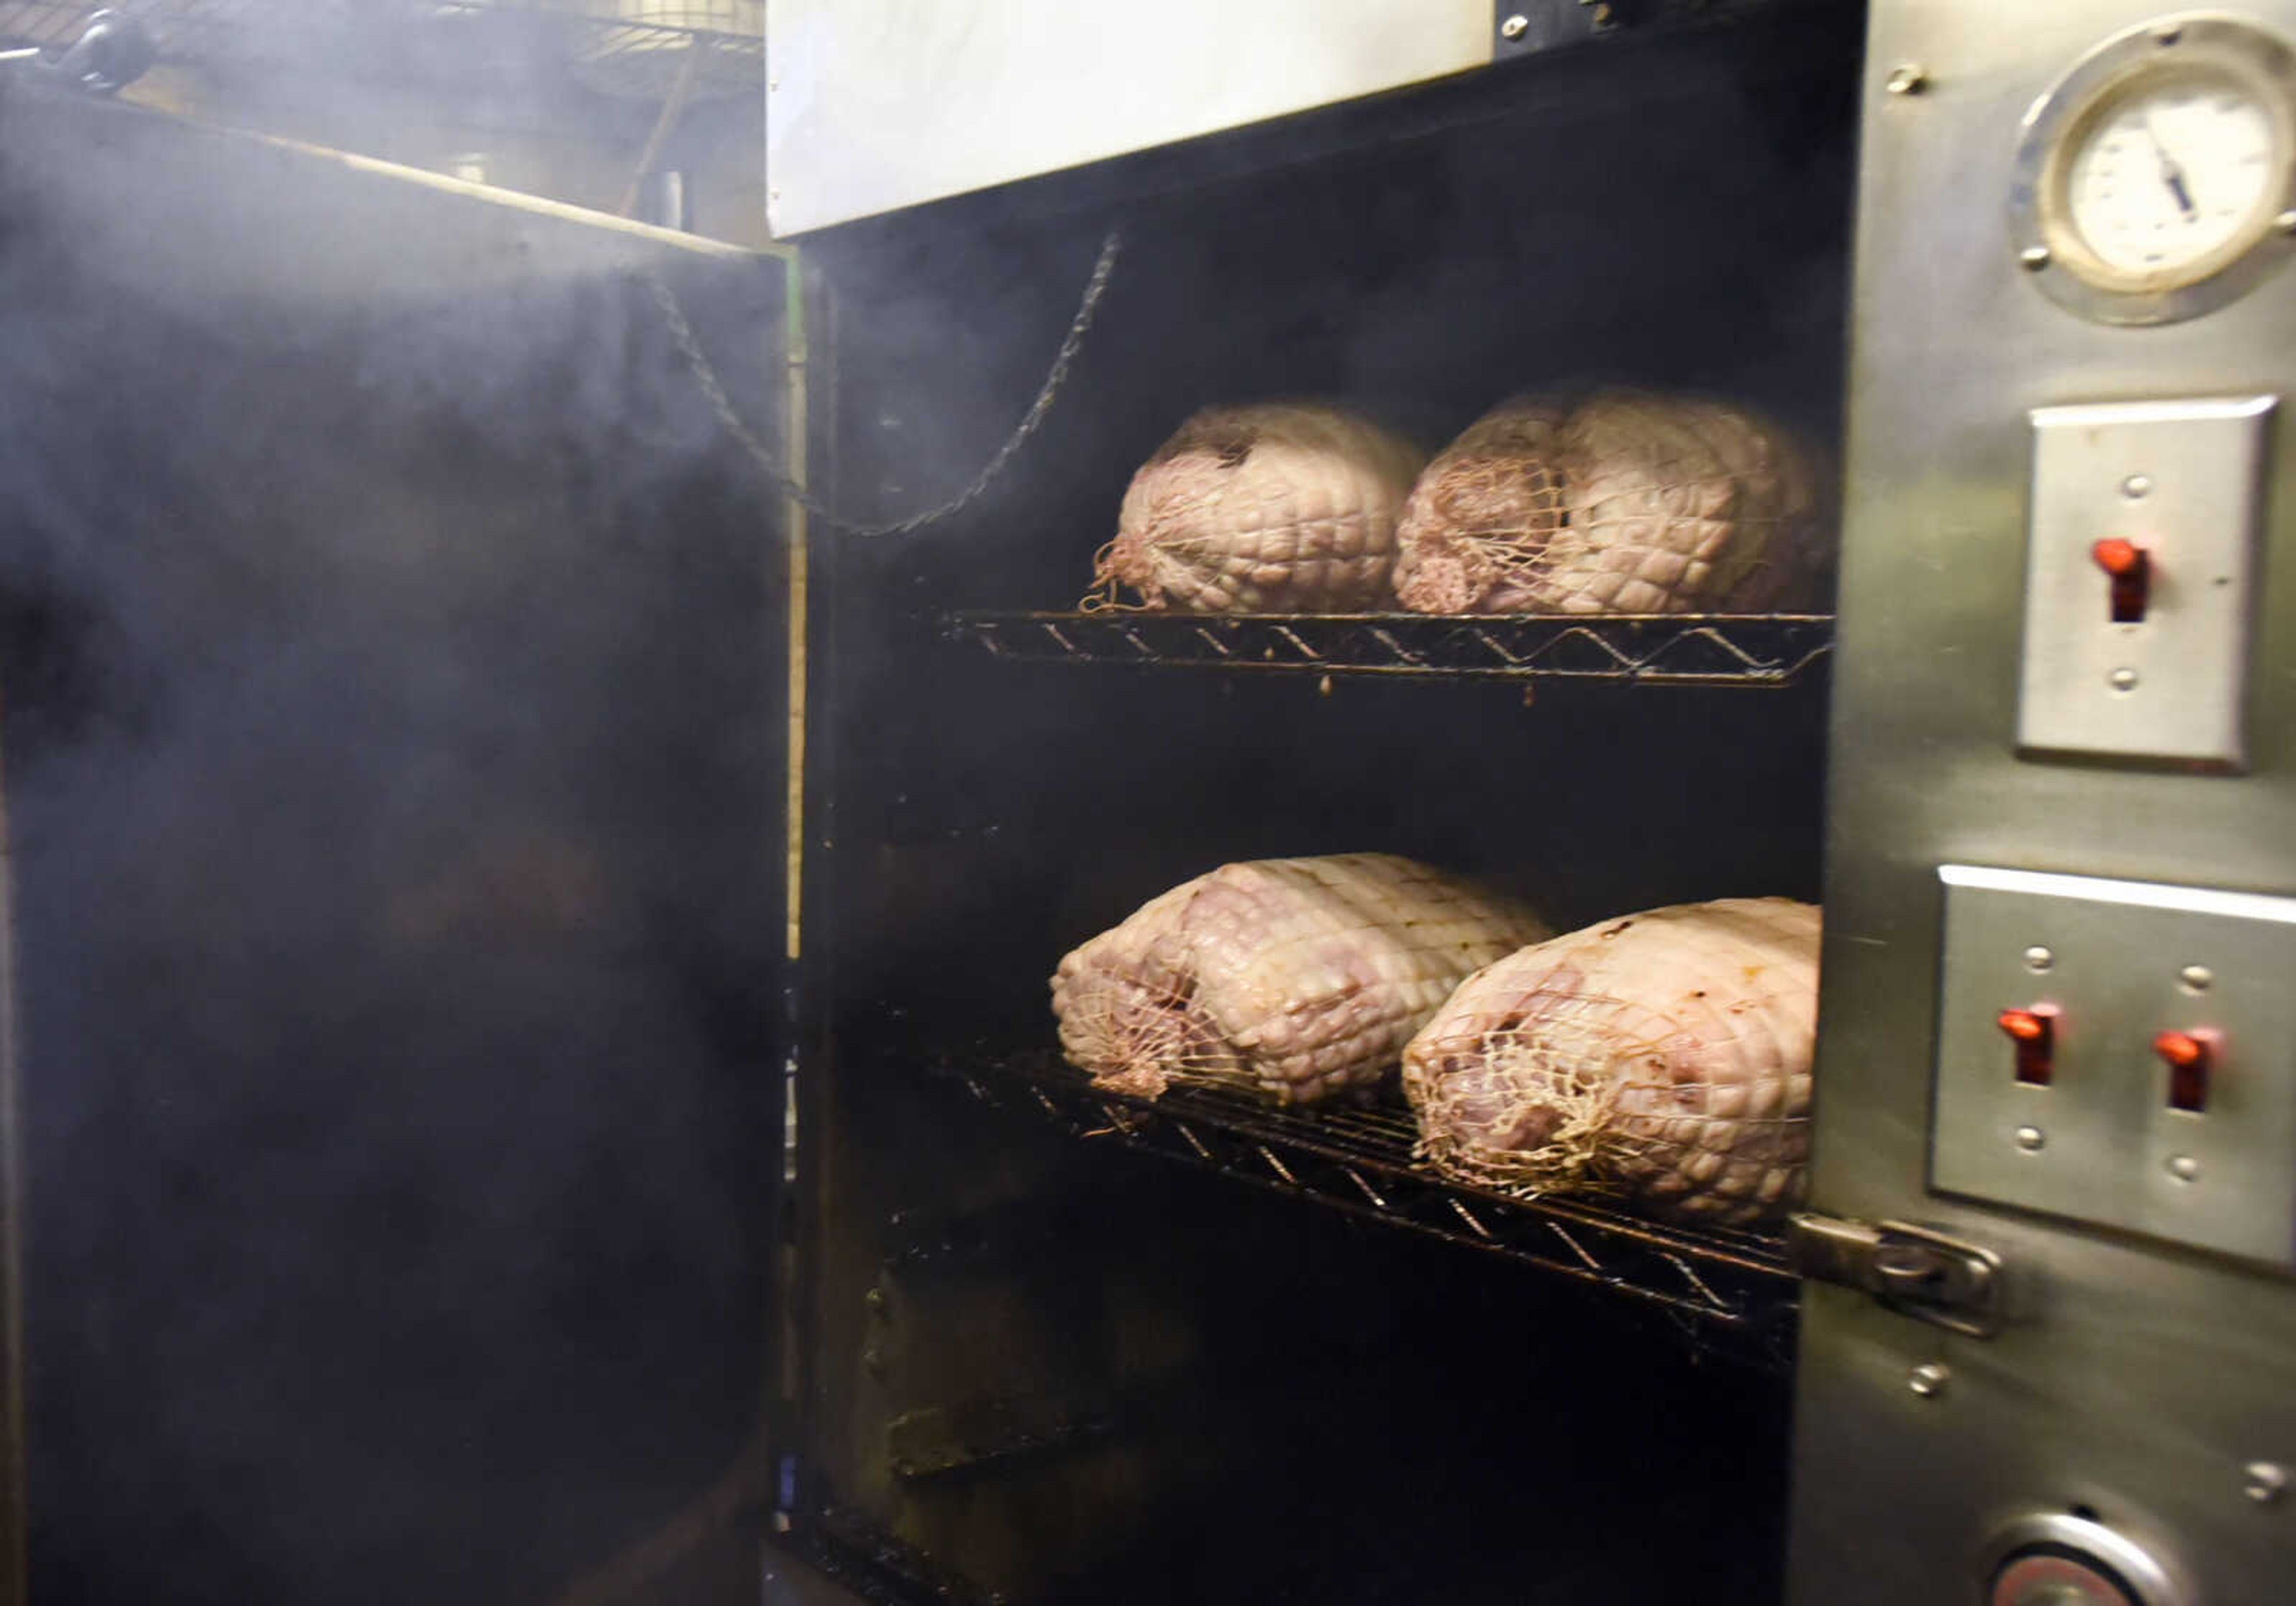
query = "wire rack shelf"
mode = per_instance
[
  {"x": 41, "y": 24},
  {"x": 637, "y": 47},
  {"x": 1731, "y": 1291},
  {"x": 1706, "y": 650}
]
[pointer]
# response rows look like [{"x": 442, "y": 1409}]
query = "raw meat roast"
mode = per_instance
[
  {"x": 1301, "y": 978},
  {"x": 1664, "y": 1057},
  {"x": 1280, "y": 508},
  {"x": 1625, "y": 504}
]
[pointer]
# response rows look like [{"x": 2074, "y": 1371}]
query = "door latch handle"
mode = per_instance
[{"x": 1911, "y": 1270}]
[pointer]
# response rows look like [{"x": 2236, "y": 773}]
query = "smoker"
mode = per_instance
[{"x": 549, "y": 763}]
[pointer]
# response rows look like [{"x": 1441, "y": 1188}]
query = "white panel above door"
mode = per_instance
[{"x": 876, "y": 105}]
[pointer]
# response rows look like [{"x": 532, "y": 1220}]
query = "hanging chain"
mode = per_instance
[{"x": 771, "y": 464}]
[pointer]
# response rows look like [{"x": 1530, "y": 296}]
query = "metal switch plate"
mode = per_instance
[
  {"x": 2120, "y": 961},
  {"x": 2184, "y": 481}
]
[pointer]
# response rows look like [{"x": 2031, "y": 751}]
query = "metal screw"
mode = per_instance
[
  {"x": 2199, "y": 978},
  {"x": 2123, "y": 680},
  {"x": 2034, "y": 257},
  {"x": 1515, "y": 26},
  {"x": 2135, "y": 486},
  {"x": 2030, "y": 1139},
  {"x": 2038, "y": 958},
  {"x": 1928, "y": 1381},
  {"x": 1908, "y": 77},
  {"x": 2184, "y": 1167},
  {"x": 2266, "y": 1482}
]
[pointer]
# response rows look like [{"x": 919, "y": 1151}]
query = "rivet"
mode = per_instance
[
  {"x": 2122, "y": 680},
  {"x": 2199, "y": 978},
  {"x": 1928, "y": 1380},
  {"x": 2034, "y": 257},
  {"x": 2184, "y": 1167},
  {"x": 1598, "y": 11},
  {"x": 2266, "y": 1481},
  {"x": 1908, "y": 77},
  {"x": 2168, "y": 32},
  {"x": 2286, "y": 222},
  {"x": 2137, "y": 486},
  {"x": 2030, "y": 1139},
  {"x": 2038, "y": 958},
  {"x": 874, "y": 1299},
  {"x": 873, "y": 1360},
  {"x": 1515, "y": 26}
]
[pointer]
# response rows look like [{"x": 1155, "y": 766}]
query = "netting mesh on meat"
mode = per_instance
[
  {"x": 1623, "y": 503},
  {"x": 1299, "y": 978},
  {"x": 1140, "y": 1036},
  {"x": 1664, "y": 1059},
  {"x": 1274, "y": 508}
]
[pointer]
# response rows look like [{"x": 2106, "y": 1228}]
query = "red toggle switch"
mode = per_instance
[
  {"x": 2130, "y": 567},
  {"x": 2034, "y": 1031},
  {"x": 2190, "y": 1056}
]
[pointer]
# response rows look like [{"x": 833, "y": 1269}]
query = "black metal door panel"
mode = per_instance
[{"x": 394, "y": 714}]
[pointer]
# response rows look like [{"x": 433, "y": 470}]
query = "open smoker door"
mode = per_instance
[{"x": 395, "y": 679}]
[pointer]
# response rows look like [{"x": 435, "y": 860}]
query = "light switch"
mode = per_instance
[
  {"x": 2168, "y": 1105},
  {"x": 2142, "y": 553}
]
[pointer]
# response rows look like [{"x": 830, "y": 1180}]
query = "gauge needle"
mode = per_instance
[{"x": 2172, "y": 173}]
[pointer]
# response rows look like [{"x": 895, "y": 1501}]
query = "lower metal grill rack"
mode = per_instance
[
  {"x": 1731, "y": 1291},
  {"x": 1686, "y": 649}
]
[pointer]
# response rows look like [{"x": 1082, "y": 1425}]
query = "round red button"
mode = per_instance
[{"x": 2048, "y": 1580}]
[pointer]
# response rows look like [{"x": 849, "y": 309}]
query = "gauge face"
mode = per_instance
[
  {"x": 2156, "y": 179},
  {"x": 2169, "y": 174}
]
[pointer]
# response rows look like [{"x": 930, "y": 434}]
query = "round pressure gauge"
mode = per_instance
[{"x": 2157, "y": 179}]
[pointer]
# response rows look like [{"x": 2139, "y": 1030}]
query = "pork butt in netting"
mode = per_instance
[
  {"x": 1624, "y": 503},
  {"x": 1282, "y": 507},
  {"x": 1300, "y": 980},
  {"x": 1663, "y": 1059}
]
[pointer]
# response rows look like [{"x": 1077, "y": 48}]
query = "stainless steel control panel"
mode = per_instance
[
  {"x": 2057, "y": 1026},
  {"x": 2120, "y": 1053}
]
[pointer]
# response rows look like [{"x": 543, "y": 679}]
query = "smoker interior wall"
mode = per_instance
[
  {"x": 393, "y": 776},
  {"x": 1675, "y": 217}
]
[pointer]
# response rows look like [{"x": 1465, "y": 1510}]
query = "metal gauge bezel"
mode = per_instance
[{"x": 2047, "y": 242}]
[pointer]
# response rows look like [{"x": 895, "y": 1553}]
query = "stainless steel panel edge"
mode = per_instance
[{"x": 2132, "y": 1380}]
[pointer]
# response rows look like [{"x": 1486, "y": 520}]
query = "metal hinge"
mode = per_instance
[{"x": 1912, "y": 1270}]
